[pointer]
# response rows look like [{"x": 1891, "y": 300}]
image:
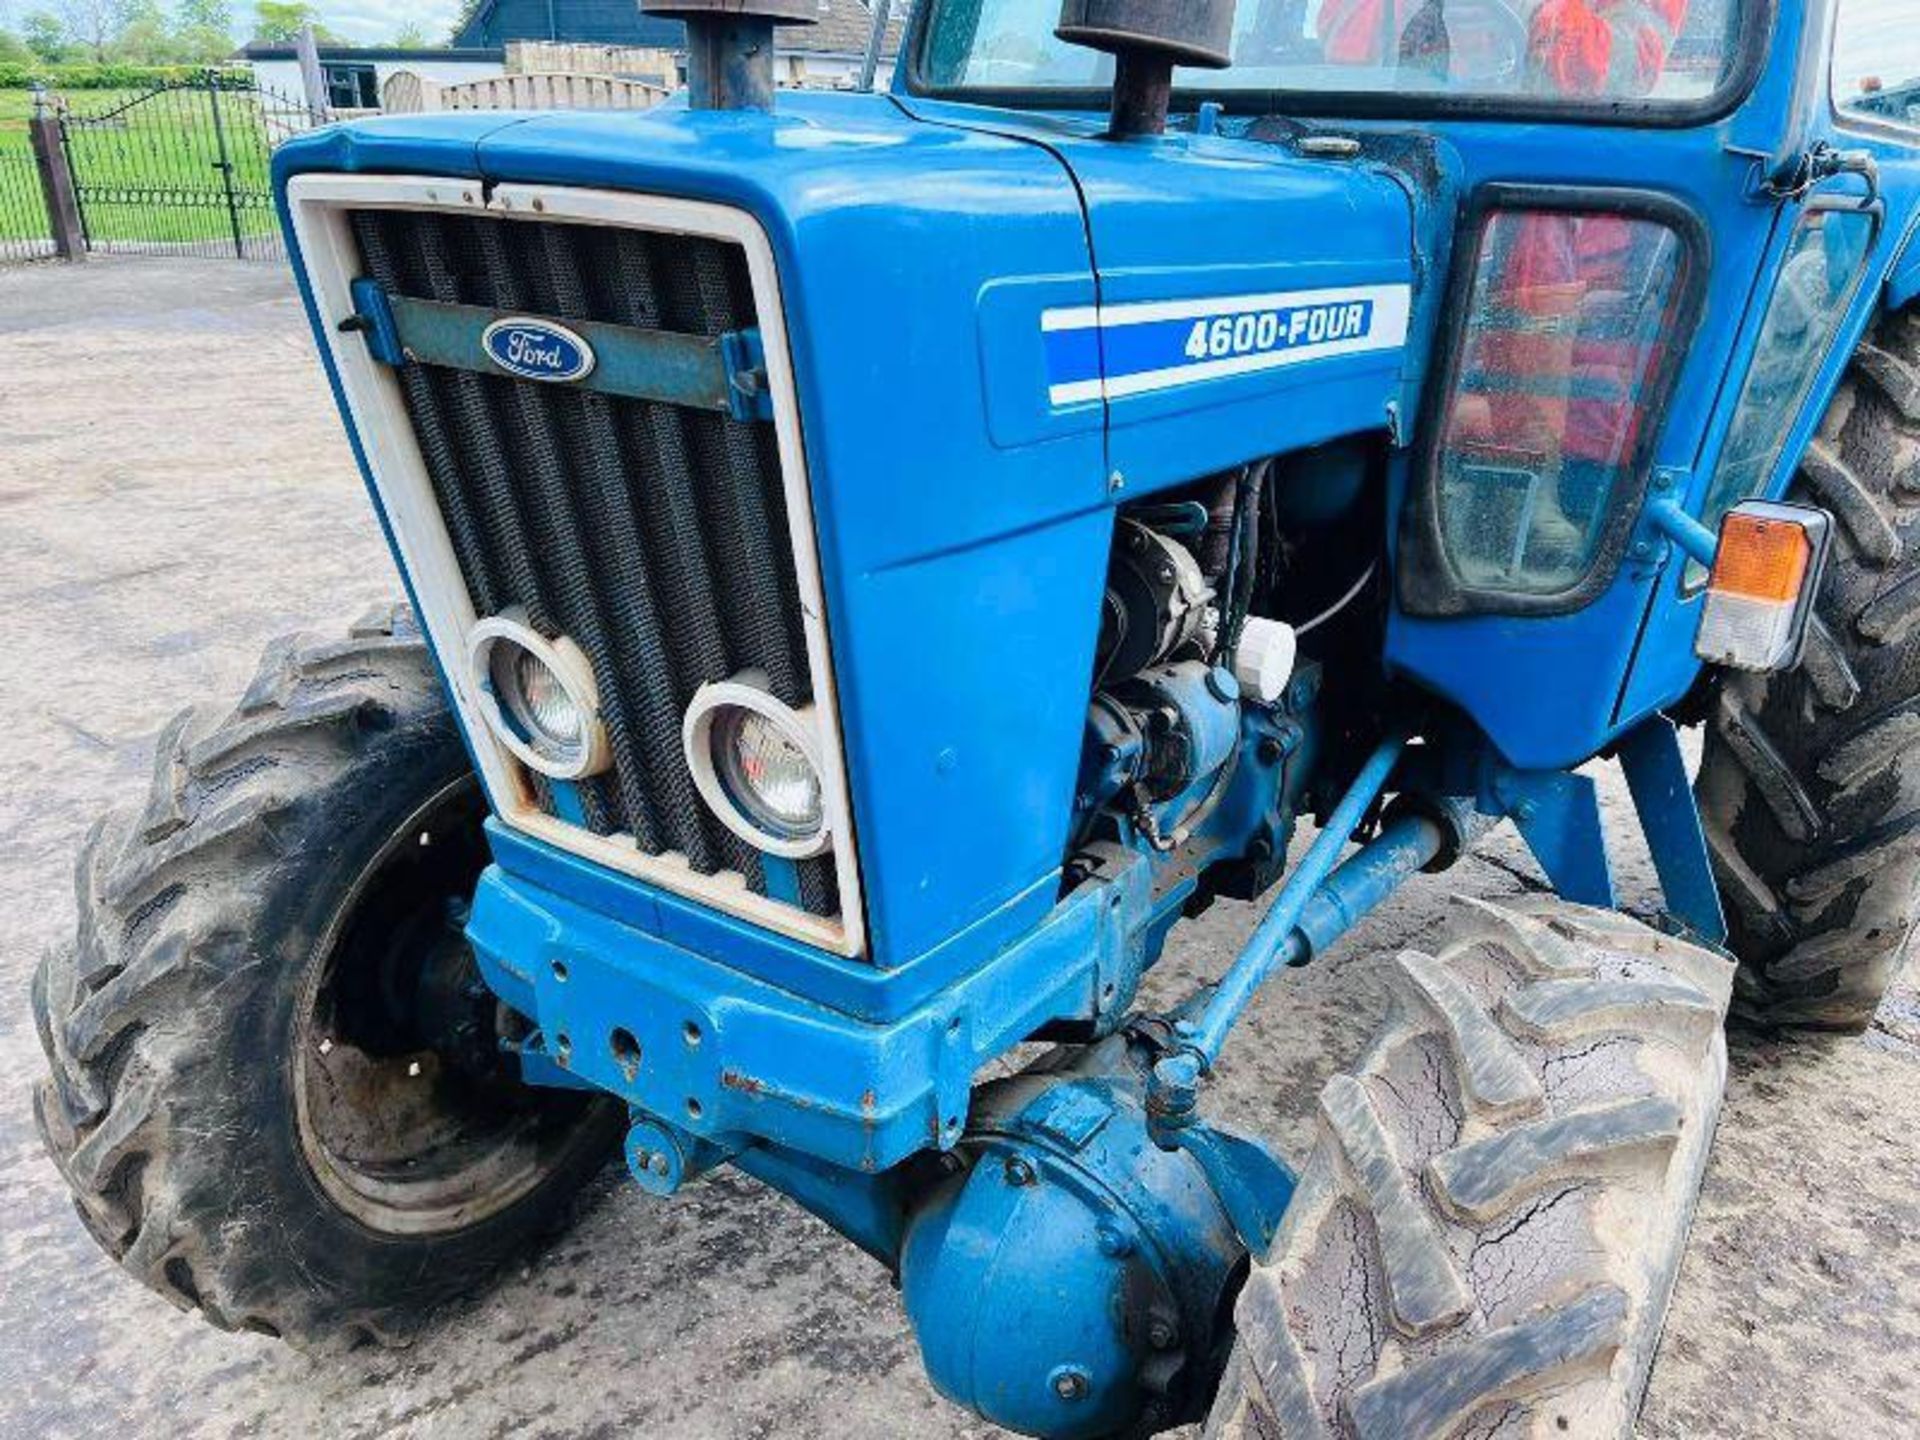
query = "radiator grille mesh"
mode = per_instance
[{"x": 655, "y": 536}]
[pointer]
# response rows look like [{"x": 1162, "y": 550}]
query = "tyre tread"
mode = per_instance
[
  {"x": 1808, "y": 787},
  {"x": 1595, "y": 1185},
  {"x": 164, "y": 896}
]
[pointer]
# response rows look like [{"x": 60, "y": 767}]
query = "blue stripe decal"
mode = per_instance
[
  {"x": 1072, "y": 355},
  {"x": 1110, "y": 352}
]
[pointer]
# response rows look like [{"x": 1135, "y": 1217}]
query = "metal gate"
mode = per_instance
[{"x": 183, "y": 169}]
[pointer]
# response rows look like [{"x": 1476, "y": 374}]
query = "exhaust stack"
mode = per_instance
[
  {"x": 730, "y": 47},
  {"x": 1147, "y": 38}
]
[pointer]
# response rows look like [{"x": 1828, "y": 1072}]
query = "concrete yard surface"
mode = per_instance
[{"x": 175, "y": 490}]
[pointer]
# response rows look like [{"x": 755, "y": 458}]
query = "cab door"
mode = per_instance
[
  {"x": 1838, "y": 242},
  {"x": 1604, "y": 268}
]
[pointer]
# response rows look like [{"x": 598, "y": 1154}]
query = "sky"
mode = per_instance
[
  {"x": 365, "y": 22},
  {"x": 368, "y": 22}
]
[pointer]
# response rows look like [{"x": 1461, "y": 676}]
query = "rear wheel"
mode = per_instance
[
  {"x": 1486, "y": 1234},
  {"x": 1810, "y": 780},
  {"x": 277, "y": 1088}
]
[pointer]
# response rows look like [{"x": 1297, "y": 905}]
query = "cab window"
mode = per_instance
[
  {"x": 1557, "y": 52},
  {"x": 1822, "y": 266},
  {"x": 1876, "y": 61},
  {"x": 1565, "y": 334}
]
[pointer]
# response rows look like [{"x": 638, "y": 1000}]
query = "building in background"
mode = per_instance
[
  {"x": 568, "y": 39},
  {"x": 619, "y": 23},
  {"x": 355, "y": 76},
  {"x": 824, "y": 55}
]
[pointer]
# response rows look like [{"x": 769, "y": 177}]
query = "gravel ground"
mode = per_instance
[{"x": 174, "y": 490}]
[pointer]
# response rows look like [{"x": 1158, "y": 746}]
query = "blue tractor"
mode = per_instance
[{"x": 875, "y": 562}]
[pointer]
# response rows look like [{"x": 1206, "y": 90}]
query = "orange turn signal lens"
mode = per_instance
[{"x": 1761, "y": 558}]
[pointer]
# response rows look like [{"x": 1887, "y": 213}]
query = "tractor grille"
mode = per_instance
[{"x": 654, "y": 535}]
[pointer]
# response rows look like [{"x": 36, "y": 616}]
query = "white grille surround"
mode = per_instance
[{"x": 322, "y": 207}]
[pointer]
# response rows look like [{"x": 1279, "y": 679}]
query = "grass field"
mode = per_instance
[{"x": 147, "y": 169}]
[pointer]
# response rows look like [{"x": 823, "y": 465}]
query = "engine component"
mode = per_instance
[
  {"x": 1156, "y": 601},
  {"x": 1166, "y": 718},
  {"x": 1222, "y": 528},
  {"x": 1060, "y": 1194},
  {"x": 1146, "y": 41},
  {"x": 1263, "y": 660},
  {"x": 1243, "y": 559},
  {"x": 1113, "y": 755},
  {"x": 730, "y": 48},
  {"x": 1189, "y": 718}
]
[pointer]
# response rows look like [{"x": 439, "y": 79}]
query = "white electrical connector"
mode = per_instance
[{"x": 1263, "y": 660}]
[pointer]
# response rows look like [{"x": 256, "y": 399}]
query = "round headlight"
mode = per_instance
[
  {"x": 539, "y": 698},
  {"x": 767, "y": 772},
  {"x": 756, "y": 762}
]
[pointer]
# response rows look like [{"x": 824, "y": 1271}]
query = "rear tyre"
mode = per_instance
[
  {"x": 1486, "y": 1234},
  {"x": 1810, "y": 781},
  {"x": 277, "y": 1090}
]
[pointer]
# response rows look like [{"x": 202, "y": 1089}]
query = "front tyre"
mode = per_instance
[
  {"x": 277, "y": 1090},
  {"x": 1486, "y": 1235}
]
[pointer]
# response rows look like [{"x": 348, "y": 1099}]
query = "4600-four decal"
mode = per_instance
[
  {"x": 1111, "y": 351},
  {"x": 1250, "y": 333}
]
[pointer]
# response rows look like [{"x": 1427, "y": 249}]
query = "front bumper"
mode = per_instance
[{"x": 608, "y": 971}]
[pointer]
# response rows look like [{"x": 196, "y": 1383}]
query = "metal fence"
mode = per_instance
[
  {"x": 25, "y": 233},
  {"x": 182, "y": 168}
]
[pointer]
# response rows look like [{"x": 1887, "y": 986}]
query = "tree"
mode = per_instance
[
  {"x": 95, "y": 24},
  {"x": 410, "y": 36},
  {"x": 202, "y": 45},
  {"x": 45, "y": 35},
  {"x": 204, "y": 15},
  {"x": 280, "y": 22},
  {"x": 13, "y": 50},
  {"x": 144, "y": 40}
]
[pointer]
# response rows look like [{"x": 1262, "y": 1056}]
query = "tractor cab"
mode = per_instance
[{"x": 1611, "y": 210}]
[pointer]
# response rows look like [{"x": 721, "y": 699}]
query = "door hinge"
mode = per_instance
[{"x": 1820, "y": 162}]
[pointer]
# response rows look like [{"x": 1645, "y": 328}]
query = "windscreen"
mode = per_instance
[
  {"x": 1876, "y": 61},
  {"x": 1663, "y": 52}
]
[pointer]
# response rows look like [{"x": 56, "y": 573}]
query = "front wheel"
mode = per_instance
[
  {"x": 277, "y": 1089},
  {"x": 1486, "y": 1235}
]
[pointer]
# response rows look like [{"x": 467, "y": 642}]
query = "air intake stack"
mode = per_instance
[
  {"x": 730, "y": 47},
  {"x": 1147, "y": 38}
]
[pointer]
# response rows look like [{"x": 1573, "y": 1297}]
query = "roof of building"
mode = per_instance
[
  {"x": 577, "y": 22},
  {"x": 841, "y": 26},
  {"x": 478, "y": 55}
]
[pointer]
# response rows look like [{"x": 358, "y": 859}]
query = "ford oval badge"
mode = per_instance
[{"x": 537, "y": 349}]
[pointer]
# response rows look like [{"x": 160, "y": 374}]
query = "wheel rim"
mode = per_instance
[{"x": 410, "y": 1116}]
